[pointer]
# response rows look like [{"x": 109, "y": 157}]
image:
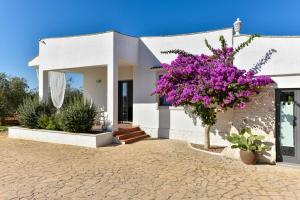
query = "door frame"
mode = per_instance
[
  {"x": 130, "y": 102},
  {"x": 279, "y": 156}
]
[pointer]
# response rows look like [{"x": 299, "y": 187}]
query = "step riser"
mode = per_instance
[
  {"x": 131, "y": 135},
  {"x": 129, "y": 129},
  {"x": 136, "y": 139},
  {"x": 126, "y": 131}
]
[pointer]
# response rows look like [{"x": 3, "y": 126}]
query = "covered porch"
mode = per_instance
[
  {"x": 108, "y": 88},
  {"x": 106, "y": 61}
]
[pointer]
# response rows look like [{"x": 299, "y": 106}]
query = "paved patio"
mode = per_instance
[{"x": 151, "y": 169}]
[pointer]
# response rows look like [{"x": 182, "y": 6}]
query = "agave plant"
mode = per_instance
[{"x": 247, "y": 141}]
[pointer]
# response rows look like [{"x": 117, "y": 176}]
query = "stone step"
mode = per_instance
[
  {"x": 130, "y": 135},
  {"x": 134, "y": 139},
  {"x": 123, "y": 131}
]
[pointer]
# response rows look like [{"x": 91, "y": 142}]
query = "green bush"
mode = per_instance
[
  {"x": 49, "y": 122},
  {"x": 28, "y": 113},
  {"x": 78, "y": 116},
  {"x": 43, "y": 121},
  {"x": 53, "y": 123},
  {"x": 31, "y": 111}
]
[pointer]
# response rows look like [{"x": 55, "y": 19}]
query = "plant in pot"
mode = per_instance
[{"x": 249, "y": 144}]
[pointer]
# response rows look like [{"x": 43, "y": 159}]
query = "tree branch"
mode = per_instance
[
  {"x": 244, "y": 44},
  {"x": 178, "y": 51}
]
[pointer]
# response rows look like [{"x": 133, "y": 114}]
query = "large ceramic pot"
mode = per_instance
[{"x": 248, "y": 157}]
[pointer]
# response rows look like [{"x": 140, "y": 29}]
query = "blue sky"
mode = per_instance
[{"x": 23, "y": 22}]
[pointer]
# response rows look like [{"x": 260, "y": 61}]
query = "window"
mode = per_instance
[{"x": 163, "y": 100}]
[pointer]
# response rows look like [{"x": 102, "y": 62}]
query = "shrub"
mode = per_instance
[
  {"x": 28, "y": 112},
  {"x": 43, "y": 121},
  {"x": 31, "y": 111},
  {"x": 53, "y": 123},
  {"x": 77, "y": 116},
  {"x": 49, "y": 122}
]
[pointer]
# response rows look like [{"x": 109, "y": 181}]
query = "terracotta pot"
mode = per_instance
[{"x": 248, "y": 157}]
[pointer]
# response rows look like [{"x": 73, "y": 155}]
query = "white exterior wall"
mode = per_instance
[
  {"x": 97, "y": 92},
  {"x": 284, "y": 61},
  {"x": 193, "y": 43},
  {"x": 93, "y": 90},
  {"x": 76, "y": 51},
  {"x": 283, "y": 64}
]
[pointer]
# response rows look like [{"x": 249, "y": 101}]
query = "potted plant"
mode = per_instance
[{"x": 249, "y": 144}]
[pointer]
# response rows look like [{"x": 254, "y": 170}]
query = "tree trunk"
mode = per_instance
[{"x": 207, "y": 137}]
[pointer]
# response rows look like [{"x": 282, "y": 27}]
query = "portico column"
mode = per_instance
[
  {"x": 112, "y": 96},
  {"x": 43, "y": 85}
]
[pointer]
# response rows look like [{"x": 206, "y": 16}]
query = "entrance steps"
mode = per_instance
[{"x": 129, "y": 134}]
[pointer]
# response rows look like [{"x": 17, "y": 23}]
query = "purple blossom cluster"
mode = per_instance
[{"x": 211, "y": 80}]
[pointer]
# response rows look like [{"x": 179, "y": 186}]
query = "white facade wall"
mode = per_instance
[
  {"x": 285, "y": 59},
  {"x": 76, "y": 51},
  {"x": 112, "y": 56},
  {"x": 96, "y": 91},
  {"x": 282, "y": 64}
]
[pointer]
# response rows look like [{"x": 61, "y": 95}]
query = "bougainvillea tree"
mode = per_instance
[{"x": 209, "y": 83}]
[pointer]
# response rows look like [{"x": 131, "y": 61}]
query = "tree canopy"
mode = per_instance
[{"x": 13, "y": 90}]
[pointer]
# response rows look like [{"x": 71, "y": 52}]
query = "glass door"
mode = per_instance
[
  {"x": 125, "y": 101},
  {"x": 287, "y": 129}
]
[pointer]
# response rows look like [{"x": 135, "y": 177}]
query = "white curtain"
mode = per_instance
[{"x": 57, "y": 81}]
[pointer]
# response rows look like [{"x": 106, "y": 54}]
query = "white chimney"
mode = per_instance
[{"x": 237, "y": 25}]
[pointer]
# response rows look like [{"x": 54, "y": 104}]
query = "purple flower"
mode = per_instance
[
  {"x": 242, "y": 105},
  {"x": 210, "y": 80}
]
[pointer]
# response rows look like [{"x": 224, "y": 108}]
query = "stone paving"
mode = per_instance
[{"x": 150, "y": 169}]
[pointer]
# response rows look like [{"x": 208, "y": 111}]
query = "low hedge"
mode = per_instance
[{"x": 76, "y": 116}]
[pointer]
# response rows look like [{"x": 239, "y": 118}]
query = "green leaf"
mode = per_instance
[
  {"x": 247, "y": 142},
  {"x": 223, "y": 42},
  {"x": 208, "y": 45}
]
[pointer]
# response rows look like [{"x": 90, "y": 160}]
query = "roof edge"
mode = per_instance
[
  {"x": 69, "y": 36},
  {"x": 34, "y": 62},
  {"x": 193, "y": 33},
  {"x": 114, "y": 31},
  {"x": 269, "y": 36}
]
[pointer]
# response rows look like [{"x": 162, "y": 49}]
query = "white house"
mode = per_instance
[{"x": 115, "y": 65}]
